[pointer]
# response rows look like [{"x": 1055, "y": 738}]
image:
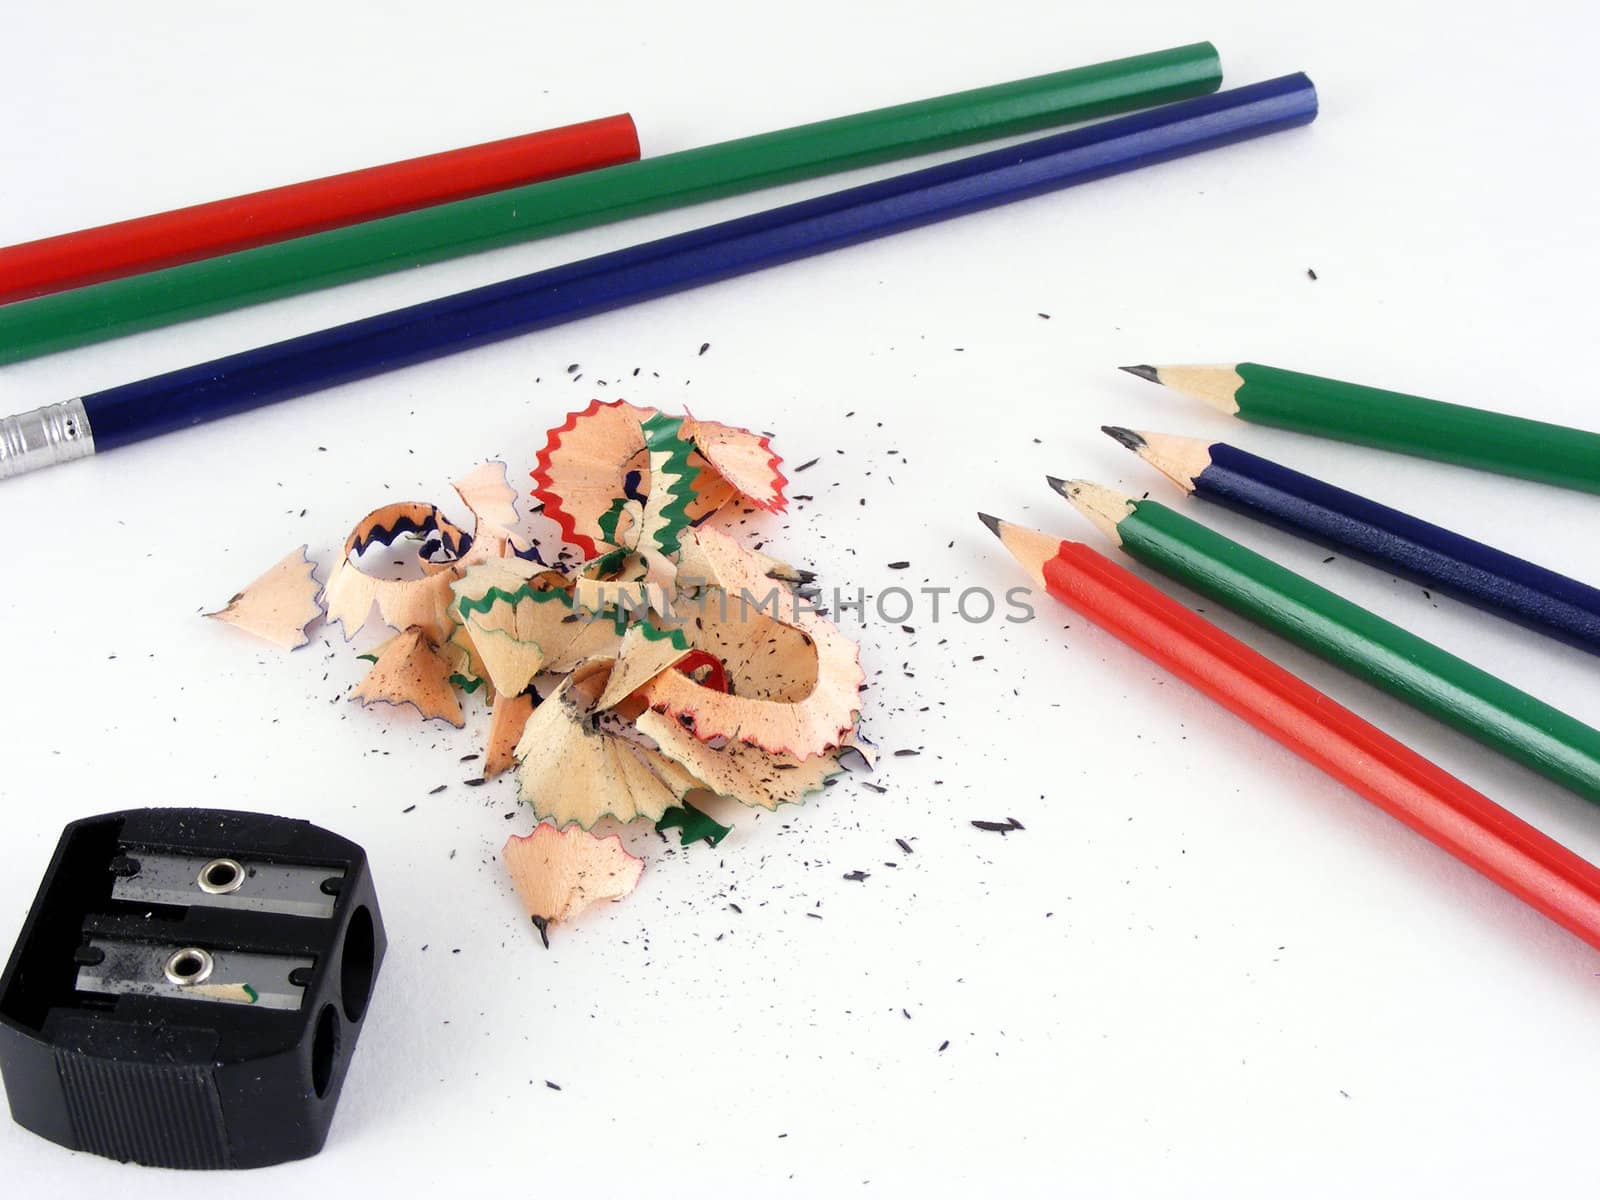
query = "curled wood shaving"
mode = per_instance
[
  {"x": 696, "y": 570},
  {"x": 574, "y": 770},
  {"x": 743, "y": 772},
  {"x": 506, "y": 574},
  {"x": 583, "y": 467},
  {"x": 795, "y": 680},
  {"x": 711, "y": 491},
  {"x": 671, "y": 492},
  {"x": 421, "y": 603},
  {"x": 745, "y": 460},
  {"x": 487, "y": 492},
  {"x": 599, "y": 456}
]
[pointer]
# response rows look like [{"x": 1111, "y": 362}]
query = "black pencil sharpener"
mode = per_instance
[{"x": 188, "y": 988}]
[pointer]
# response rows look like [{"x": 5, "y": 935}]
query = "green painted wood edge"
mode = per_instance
[
  {"x": 693, "y": 825},
  {"x": 1430, "y": 679},
  {"x": 671, "y": 471},
  {"x": 1423, "y": 428},
  {"x": 124, "y": 306}
]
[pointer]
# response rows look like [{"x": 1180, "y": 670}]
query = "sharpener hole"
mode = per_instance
[
  {"x": 357, "y": 963},
  {"x": 325, "y": 1050}
]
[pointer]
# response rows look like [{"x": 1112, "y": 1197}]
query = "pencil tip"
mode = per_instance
[
  {"x": 1105, "y": 508},
  {"x": 1127, "y": 438},
  {"x": 992, "y": 522},
  {"x": 1059, "y": 485},
  {"x": 1143, "y": 371}
]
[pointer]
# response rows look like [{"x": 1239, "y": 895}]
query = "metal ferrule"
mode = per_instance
[{"x": 53, "y": 434}]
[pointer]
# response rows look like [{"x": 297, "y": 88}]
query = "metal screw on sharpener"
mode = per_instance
[
  {"x": 220, "y": 876},
  {"x": 188, "y": 966}
]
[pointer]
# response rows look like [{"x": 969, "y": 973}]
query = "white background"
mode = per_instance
[{"x": 1202, "y": 969}]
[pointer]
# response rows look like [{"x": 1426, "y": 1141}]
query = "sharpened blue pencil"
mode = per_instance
[{"x": 1492, "y": 580}]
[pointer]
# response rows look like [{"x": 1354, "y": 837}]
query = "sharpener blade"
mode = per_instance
[
  {"x": 233, "y": 977},
  {"x": 175, "y": 879}
]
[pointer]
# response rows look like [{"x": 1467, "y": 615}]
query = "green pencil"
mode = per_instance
[
  {"x": 1348, "y": 412},
  {"x": 124, "y": 306},
  {"x": 1428, "y": 678}
]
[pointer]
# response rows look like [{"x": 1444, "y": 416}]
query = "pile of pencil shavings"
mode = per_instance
[{"x": 653, "y": 661}]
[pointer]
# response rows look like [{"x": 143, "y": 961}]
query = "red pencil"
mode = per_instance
[
  {"x": 1536, "y": 869},
  {"x": 71, "y": 260}
]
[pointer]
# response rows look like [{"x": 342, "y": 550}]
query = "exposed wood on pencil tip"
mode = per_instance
[
  {"x": 1213, "y": 385},
  {"x": 1031, "y": 548},
  {"x": 1180, "y": 459},
  {"x": 1105, "y": 508},
  {"x": 1127, "y": 438},
  {"x": 992, "y": 523}
]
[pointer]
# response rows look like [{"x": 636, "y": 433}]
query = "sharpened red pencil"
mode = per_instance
[
  {"x": 1492, "y": 841},
  {"x": 70, "y": 260}
]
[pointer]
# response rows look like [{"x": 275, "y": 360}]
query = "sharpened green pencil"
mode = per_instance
[
  {"x": 1428, "y": 678},
  {"x": 1405, "y": 424},
  {"x": 123, "y": 306}
]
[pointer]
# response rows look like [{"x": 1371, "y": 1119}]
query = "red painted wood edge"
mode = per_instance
[
  {"x": 183, "y": 235},
  {"x": 1460, "y": 820}
]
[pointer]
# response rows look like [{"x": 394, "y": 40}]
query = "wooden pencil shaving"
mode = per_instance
[
  {"x": 628, "y": 596},
  {"x": 666, "y": 506},
  {"x": 410, "y": 671},
  {"x": 739, "y": 771},
  {"x": 578, "y": 765},
  {"x": 521, "y": 620},
  {"x": 856, "y": 745},
  {"x": 466, "y": 665},
  {"x": 227, "y": 993},
  {"x": 559, "y": 873},
  {"x": 672, "y": 662},
  {"x": 711, "y": 491},
  {"x": 795, "y": 679},
  {"x": 601, "y": 459},
  {"x": 419, "y": 602},
  {"x": 646, "y": 651},
  {"x": 493, "y": 501},
  {"x": 507, "y": 719},
  {"x": 510, "y": 659},
  {"x": 744, "y": 460},
  {"x": 279, "y": 606},
  {"x": 585, "y": 466},
  {"x": 696, "y": 570}
]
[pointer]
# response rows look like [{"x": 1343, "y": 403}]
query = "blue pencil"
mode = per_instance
[
  {"x": 1480, "y": 575},
  {"x": 240, "y": 382}
]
